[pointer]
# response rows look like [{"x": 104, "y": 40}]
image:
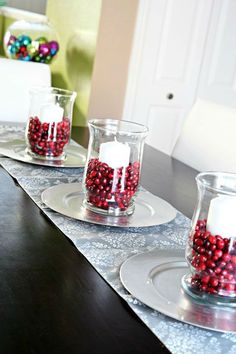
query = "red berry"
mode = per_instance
[
  {"x": 214, "y": 282},
  {"x": 226, "y": 257}
]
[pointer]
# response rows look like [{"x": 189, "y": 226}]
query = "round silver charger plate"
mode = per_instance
[
  {"x": 16, "y": 149},
  {"x": 67, "y": 199},
  {"x": 155, "y": 277}
]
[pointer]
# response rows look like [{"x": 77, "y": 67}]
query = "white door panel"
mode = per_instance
[{"x": 166, "y": 58}]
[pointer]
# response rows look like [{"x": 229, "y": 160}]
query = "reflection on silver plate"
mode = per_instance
[
  {"x": 16, "y": 149},
  {"x": 155, "y": 279},
  {"x": 67, "y": 199}
]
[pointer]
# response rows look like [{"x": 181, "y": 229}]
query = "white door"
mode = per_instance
[
  {"x": 218, "y": 76},
  {"x": 164, "y": 70}
]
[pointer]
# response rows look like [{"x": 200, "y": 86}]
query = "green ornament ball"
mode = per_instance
[
  {"x": 41, "y": 40},
  {"x": 37, "y": 58},
  {"x": 48, "y": 59}
]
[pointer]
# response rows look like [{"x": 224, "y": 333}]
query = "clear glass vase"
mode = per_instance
[
  {"x": 31, "y": 41},
  {"x": 49, "y": 125},
  {"x": 112, "y": 172},
  {"x": 211, "y": 246}
]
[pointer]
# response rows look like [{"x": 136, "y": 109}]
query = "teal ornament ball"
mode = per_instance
[
  {"x": 27, "y": 58},
  {"x": 24, "y": 40},
  {"x": 21, "y": 38},
  {"x": 53, "y": 51},
  {"x": 17, "y": 44},
  {"x": 13, "y": 49}
]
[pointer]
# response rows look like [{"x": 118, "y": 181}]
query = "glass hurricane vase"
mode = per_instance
[
  {"x": 112, "y": 173},
  {"x": 49, "y": 125},
  {"x": 211, "y": 246}
]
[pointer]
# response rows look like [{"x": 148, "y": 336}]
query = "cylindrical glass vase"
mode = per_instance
[
  {"x": 31, "y": 41},
  {"x": 113, "y": 167},
  {"x": 49, "y": 125},
  {"x": 211, "y": 246}
]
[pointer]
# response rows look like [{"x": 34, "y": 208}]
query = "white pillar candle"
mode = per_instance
[
  {"x": 50, "y": 113},
  {"x": 221, "y": 218},
  {"x": 114, "y": 154}
]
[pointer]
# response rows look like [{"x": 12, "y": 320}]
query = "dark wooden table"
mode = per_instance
[{"x": 51, "y": 299}]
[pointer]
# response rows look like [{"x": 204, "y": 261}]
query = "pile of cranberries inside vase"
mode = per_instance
[
  {"x": 111, "y": 188},
  {"x": 48, "y": 139},
  {"x": 213, "y": 261}
]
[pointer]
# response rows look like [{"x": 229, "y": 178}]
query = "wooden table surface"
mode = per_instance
[{"x": 51, "y": 298}]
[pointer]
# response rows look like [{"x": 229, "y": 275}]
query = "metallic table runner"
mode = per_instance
[{"x": 106, "y": 248}]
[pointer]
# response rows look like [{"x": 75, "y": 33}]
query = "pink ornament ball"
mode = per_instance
[{"x": 44, "y": 49}]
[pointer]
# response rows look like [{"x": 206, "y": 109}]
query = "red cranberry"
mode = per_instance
[
  {"x": 210, "y": 264},
  {"x": 205, "y": 279},
  {"x": 212, "y": 239},
  {"x": 218, "y": 270},
  {"x": 202, "y": 258},
  {"x": 199, "y": 242},
  {"x": 220, "y": 244},
  {"x": 218, "y": 253},
  {"x": 214, "y": 282},
  {"x": 229, "y": 287},
  {"x": 201, "y": 267},
  {"x": 226, "y": 257}
]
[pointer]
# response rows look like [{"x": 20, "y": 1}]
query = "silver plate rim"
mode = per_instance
[
  {"x": 7, "y": 149},
  {"x": 55, "y": 198},
  {"x": 147, "y": 263}
]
